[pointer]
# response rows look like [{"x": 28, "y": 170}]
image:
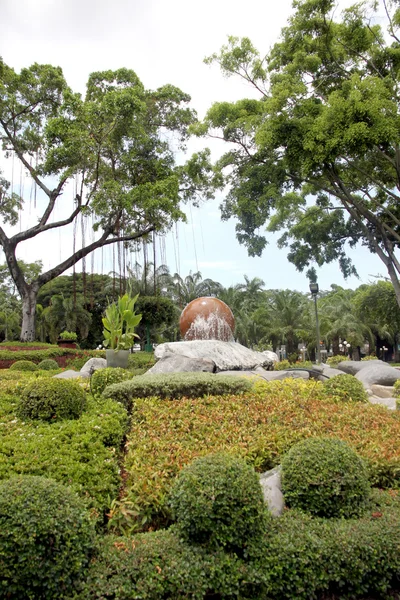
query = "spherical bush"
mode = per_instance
[
  {"x": 48, "y": 364},
  {"x": 23, "y": 365},
  {"x": 52, "y": 400},
  {"x": 345, "y": 388},
  {"x": 46, "y": 539},
  {"x": 218, "y": 500},
  {"x": 325, "y": 477},
  {"x": 104, "y": 377}
]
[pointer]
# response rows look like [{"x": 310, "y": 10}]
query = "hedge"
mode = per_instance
[
  {"x": 175, "y": 385},
  {"x": 300, "y": 558},
  {"x": 261, "y": 426},
  {"x": 81, "y": 453}
]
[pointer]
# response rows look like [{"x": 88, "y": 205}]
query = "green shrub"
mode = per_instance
[
  {"x": 52, "y": 400},
  {"x": 218, "y": 500},
  {"x": 104, "y": 377},
  {"x": 82, "y": 453},
  {"x": 325, "y": 477},
  {"x": 282, "y": 365},
  {"x": 369, "y": 357},
  {"x": 68, "y": 336},
  {"x": 176, "y": 385},
  {"x": 396, "y": 387},
  {"x": 46, "y": 539},
  {"x": 141, "y": 360},
  {"x": 23, "y": 365},
  {"x": 300, "y": 558},
  {"x": 345, "y": 388},
  {"x": 48, "y": 364},
  {"x": 333, "y": 361}
]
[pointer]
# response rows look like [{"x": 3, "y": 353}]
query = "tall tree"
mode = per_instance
[
  {"x": 186, "y": 289},
  {"x": 113, "y": 145},
  {"x": 317, "y": 155}
]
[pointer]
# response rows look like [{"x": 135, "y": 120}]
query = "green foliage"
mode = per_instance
[
  {"x": 300, "y": 558},
  {"x": 176, "y": 385},
  {"x": 282, "y": 365},
  {"x": 217, "y": 500},
  {"x": 82, "y": 453},
  {"x": 68, "y": 336},
  {"x": 326, "y": 478},
  {"x": 46, "y": 539},
  {"x": 333, "y": 361},
  {"x": 369, "y": 357},
  {"x": 52, "y": 400},
  {"x": 345, "y": 388},
  {"x": 24, "y": 365},
  {"x": 141, "y": 360},
  {"x": 48, "y": 364},
  {"x": 119, "y": 322},
  {"x": 396, "y": 387},
  {"x": 104, "y": 377}
]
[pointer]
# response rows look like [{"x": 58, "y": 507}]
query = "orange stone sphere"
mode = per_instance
[{"x": 207, "y": 318}]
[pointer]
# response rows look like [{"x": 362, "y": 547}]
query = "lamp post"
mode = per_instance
[{"x": 314, "y": 289}]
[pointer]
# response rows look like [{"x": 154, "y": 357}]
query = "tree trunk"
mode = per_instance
[{"x": 28, "y": 332}]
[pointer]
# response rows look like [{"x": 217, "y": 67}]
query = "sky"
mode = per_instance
[{"x": 163, "y": 42}]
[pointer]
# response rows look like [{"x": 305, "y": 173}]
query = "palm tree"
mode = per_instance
[
  {"x": 65, "y": 314},
  {"x": 184, "y": 290}
]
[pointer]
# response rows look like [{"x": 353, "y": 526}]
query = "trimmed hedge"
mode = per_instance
[
  {"x": 325, "y": 478},
  {"x": 345, "y": 388},
  {"x": 82, "y": 453},
  {"x": 300, "y": 558},
  {"x": 217, "y": 500},
  {"x": 260, "y": 426},
  {"x": 48, "y": 364},
  {"x": 104, "y": 377},
  {"x": 23, "y": 365},
  {"x": 46, "y": 539},
  {"x": 51, "y": 400},
  {"x": 175, "y": 386}
]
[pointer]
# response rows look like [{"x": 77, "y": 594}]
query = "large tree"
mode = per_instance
[
  {"x": 115, "y": 146},
  {"x": 317, "y": 153}
]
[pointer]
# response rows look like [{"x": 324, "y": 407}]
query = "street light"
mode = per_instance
[{"x": 314, "y": 289}]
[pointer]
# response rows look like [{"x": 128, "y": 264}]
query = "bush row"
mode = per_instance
[
  {"x": 82, "y": 453},
  {"x": 261, "y": 425},
  {"x": 175, "y": 386},
  {"x": 299, "y": 557}
]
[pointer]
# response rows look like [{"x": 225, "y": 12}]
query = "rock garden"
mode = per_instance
[{"x": 122, "y": 484}]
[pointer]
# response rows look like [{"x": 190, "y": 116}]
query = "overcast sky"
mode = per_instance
[{"x": 164, "y": 42}]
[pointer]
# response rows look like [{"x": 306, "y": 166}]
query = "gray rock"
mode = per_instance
[
  {"x": 271, "y": 487},
  {"x": 380, "y": 374},
  {"x": 92, "y": 365},
  {"x": 354, "y": 366},
  {"x": 227, "y": 356},
  {"x": 272, "y": 355},
  {"x": 255, "y": 374},
  {"x": 70, "y": 374},
  {"x": 179, "y": 364},
  {"x": 382, "y": 391},
  {"x": 329, "y": 372},
  {"x": 390, "y": 403}
]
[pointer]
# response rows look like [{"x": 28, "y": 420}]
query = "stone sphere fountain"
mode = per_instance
[{"x": 207, "y": 318}]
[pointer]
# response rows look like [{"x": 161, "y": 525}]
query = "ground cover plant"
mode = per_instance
[{"x": 261, "y": 426}]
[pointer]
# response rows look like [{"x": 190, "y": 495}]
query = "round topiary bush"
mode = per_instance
[
  {"x": 325, "y": 477},
  {"x": 23, "y": 365},
  {"x": 48, "y": 364},
  {"x": 46, "y": 539},
  {"x": 218, "y": 500},
  {"x": 345, "y": 388},
  {"x": 51, "y": 400},
  {"x": 104, "y": 377}
]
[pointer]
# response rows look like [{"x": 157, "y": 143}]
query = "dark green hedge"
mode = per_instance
[
  {"x": 300, "y": 558},
  {"x": 176, "y": 385}
]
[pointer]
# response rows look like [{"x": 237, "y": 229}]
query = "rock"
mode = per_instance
[
  {"x": 92, "y": 365},
  {"x": 271, "y": 375},
  {"x": 271, "y": 487},
  {"x": 227, "y": 356},
  {"x": 329, "y": 372},
  {"x": 354, "y": 366},
  {"x": 381, "y": 374},
  {"x": 178, "y": 364},
  {"x": 272, "y": 355},
  {"x": 382, "y": 391},
  {"x": 70, "y": 374},
  {"x": 390, "y": 403}
]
